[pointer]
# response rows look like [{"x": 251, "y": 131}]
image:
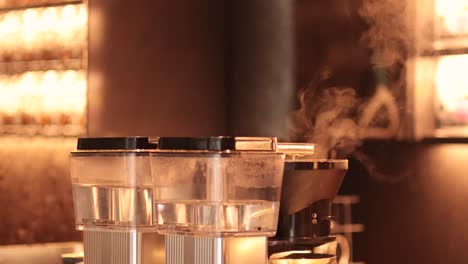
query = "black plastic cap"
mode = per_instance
[
  {"x": 197, "y": 143},
  {"x": 115, "y": 143}
]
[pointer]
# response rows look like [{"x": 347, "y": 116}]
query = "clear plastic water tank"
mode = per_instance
[
  {"x": 111, "y": 182},
  {"x": 217, "y": 186}
]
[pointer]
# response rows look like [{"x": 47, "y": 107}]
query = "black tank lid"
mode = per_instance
[
  {"x": 217, "y": 143},
  {"x": 115, "y": 143},
  {"x": 197, "y": 143}
]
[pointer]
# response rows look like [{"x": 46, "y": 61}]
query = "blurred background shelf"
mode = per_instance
[
  {"x": 7, "y": 5},
  {"x": 444, "y": 52},
  {"x": 10, "y": 68},
  {"x": 45, "y": 130},
  {"x": 43, "y": 62}
]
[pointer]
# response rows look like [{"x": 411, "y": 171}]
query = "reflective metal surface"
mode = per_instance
[
  {"x": 50, "y": 253},
  {"x": 206, "y": 250},
  {"x": 297, "y": 151},
  {"x": 108, "y": 246}
]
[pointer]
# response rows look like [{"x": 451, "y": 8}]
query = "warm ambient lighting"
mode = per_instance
[
  {"x": 452, "y": 88},
  {"x": 43, "y": 33},
  {"x": 43, "y": 98},
  {"x": 452, "y": 16},
  {"x": 34, "y": 99}
]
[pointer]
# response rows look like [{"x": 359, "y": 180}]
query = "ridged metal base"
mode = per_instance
[
  {"x": 207, "y": 250},
  {"x": 122, "y": 247}
]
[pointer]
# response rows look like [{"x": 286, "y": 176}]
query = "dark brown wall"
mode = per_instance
[
  {"x": 35, "y": 190},
  {"x": 414, "y": 206},
  {"x": 190, "y": 67},
  {"x": 327, "y": 39},
  {"x": 259, "y": 66},
  {"x": 156, "y": 68}
]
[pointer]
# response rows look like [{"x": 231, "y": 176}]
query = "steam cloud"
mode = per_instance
[
  {"x": 387, "y": 35},
  {"x": 327, "y": 118},
  {"x": 331, "y": 116}
]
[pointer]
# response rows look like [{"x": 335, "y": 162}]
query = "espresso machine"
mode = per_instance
[{"x": 219, "y": 200}]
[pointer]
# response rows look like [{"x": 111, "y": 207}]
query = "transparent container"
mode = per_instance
[
  {"x": 217, "y": 186},
  {"x": 111, "y": 182}
]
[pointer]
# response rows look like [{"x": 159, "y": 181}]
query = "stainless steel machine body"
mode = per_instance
[
  {"x": 220, "y": 250},
  {"x": 123, "y": 246}
]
